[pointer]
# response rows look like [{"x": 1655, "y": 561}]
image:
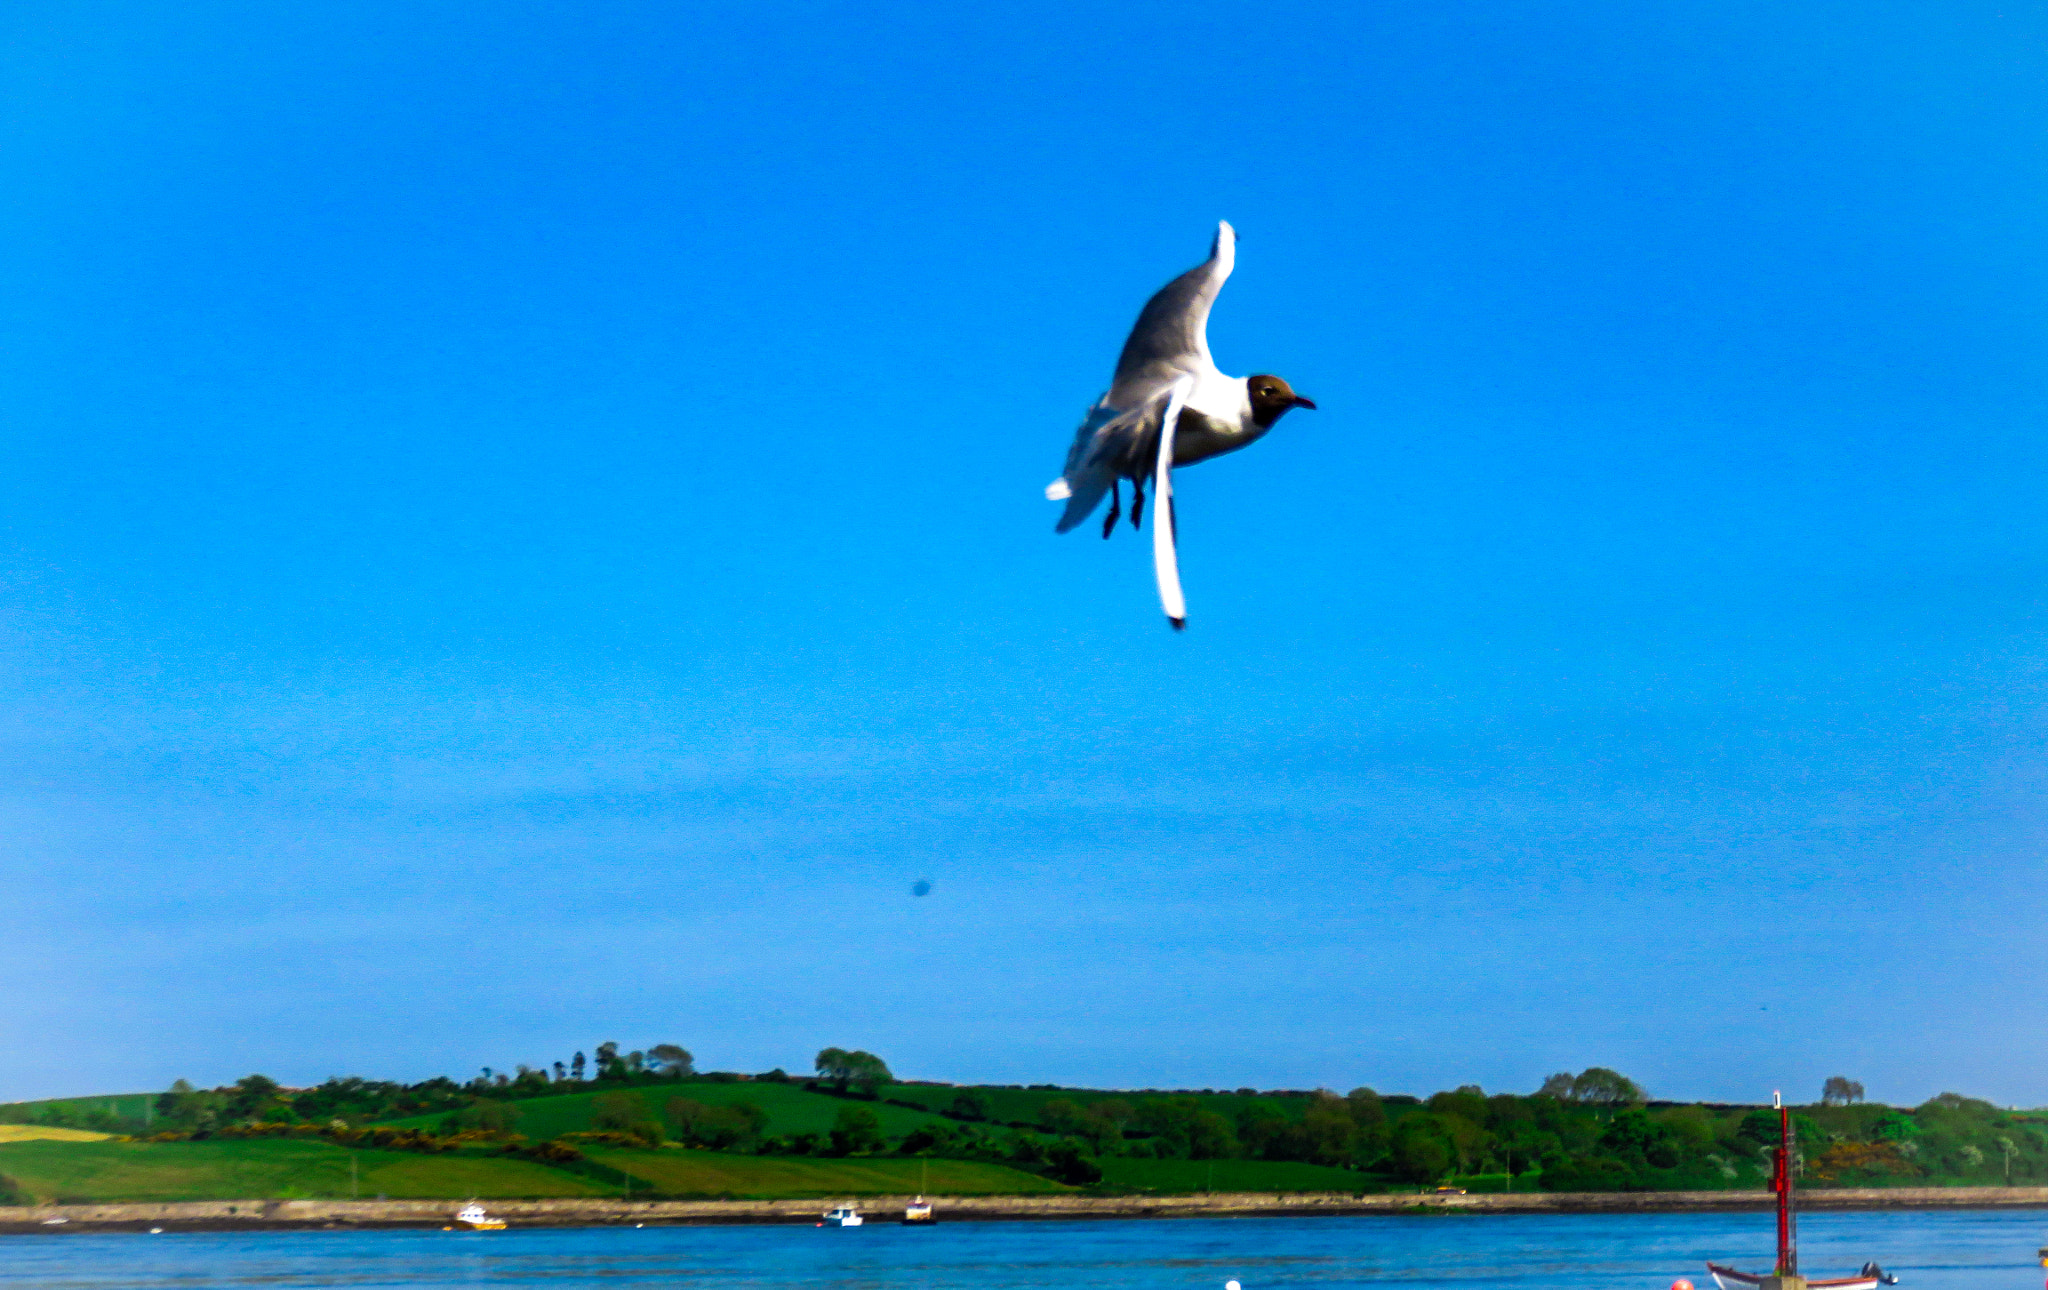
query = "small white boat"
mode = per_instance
[
  {"x": 844, "y": 1216},
  {"x": 1870, "y": 1278},
  {"x": 918, "y": 1212},
  {"x": 475, "y": 1219}
]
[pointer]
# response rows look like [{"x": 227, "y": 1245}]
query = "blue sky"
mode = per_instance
[{"x": 521, "y": 526}]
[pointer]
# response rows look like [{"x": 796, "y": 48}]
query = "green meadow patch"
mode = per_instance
[
  {"x": 790, "y": 1108},
  {"x": 267, "y": 1169}
]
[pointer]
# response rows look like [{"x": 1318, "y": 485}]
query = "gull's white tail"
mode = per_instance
[{"x": 1165, "y": 559}]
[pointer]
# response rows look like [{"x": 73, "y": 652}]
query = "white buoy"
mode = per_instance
[{"x": 1232, "y": 1285}]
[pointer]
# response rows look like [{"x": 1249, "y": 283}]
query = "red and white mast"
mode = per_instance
[{"x": 1781, "y": 1183}]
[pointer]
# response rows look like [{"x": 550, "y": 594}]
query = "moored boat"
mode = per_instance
[
  {"x": 473, "y": 1217},
  {"x": 918, "y": 1213},
  {"x": 842, "y": 1216},
  {"x": 1785, "y": 1276}
]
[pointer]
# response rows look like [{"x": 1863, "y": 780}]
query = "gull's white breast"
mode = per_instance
[{"x": 1217, "y": 419}]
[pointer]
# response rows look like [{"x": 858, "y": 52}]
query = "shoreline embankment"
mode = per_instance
[{"x": 277, "y": 1215}]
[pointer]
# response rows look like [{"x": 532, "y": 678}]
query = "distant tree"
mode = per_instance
[
  {"x": 1370, "y": 1114},
  {"x": 1598, "y": 1086},
  {"x": 854, "y": 1069},
  {"x": 167, "y": 1102},
  {"x": 1635, "y": 1138},
  {"x": 1103, "y": 1127},
  {"x": 1329, "y": 1134},
  {"x": 484, "y": 1113},
  {"x": 561, "y": 1072},
  {"x": 832, "y": 1065},
  {"x": 617, "y": 1111},
  {"x": 973, "y": 1106},
  {"x": 1973, "y": 1156},
  {"x": 721, "y": 1128},
  {"x": 607, "y": 1058},
  {"x": 1066, "y": 1163},
  {"x": 1366, "y": 1107},
  {"x": 870, "y": 1072},
  {"x": 1421, "y": 1147},
  {"x": 1182, "y": 1128},
  {"x": 2008, "y": 1150},
  {"x": 1468, "y": 1102},
  {"x": 1558, "y": 1086},
  {"x": 1840, "y": 1091},
  {"x": 672, "y": 1060},
  {"x": 253, "y": 1097},
  {"x": 576, "y": 1066},
  {"x": 856, "y": 1132}
]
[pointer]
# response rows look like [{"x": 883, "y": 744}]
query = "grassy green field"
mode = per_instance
[
  {"x": 678, "y": 1172},
  {"x": 1027, "y": 1105},
  {"x": 790, "y": 1107},
  {"x": 1120, "y": 1174},
  {"x": 267, "y": 1168}
]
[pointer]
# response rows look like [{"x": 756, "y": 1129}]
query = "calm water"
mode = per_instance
[{"x": 1967, "y": 1251}]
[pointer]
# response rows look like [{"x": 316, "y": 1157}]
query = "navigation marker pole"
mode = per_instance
[{"x": 1786, "y": 1275}]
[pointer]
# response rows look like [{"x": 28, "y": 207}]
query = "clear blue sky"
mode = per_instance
[{"x": 520, "y": 526}]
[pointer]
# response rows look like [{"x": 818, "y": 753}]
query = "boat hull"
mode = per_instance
[{"x": 1730, "y": 1279}]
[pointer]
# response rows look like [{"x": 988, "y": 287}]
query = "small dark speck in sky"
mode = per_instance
[{"x": 920, "y": 888}]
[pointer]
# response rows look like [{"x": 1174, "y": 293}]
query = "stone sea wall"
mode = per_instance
[{"x": 261, "y": 1214}]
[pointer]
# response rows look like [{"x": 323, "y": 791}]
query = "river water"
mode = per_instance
[{"x": 1940, "y": 1251}]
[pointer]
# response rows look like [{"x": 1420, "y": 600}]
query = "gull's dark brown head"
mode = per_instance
[{"x": 1272, "y": 396}]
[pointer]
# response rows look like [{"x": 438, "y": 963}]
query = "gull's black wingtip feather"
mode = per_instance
[{"x": 1179, "y": 624}]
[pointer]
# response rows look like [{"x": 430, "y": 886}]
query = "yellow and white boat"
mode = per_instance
[{"x": 473, "y": 1217}]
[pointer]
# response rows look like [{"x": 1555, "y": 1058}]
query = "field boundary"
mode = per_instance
[{"x": 279, "y": 1214}]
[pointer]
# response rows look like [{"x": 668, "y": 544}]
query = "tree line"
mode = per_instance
[{"x": 1594, "y": 1130}]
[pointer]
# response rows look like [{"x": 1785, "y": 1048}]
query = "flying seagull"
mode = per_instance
[{"x": 1166, "y": 379}]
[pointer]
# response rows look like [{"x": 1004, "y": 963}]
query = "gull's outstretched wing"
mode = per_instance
[
  {"x": 1171, "y": 337},
  {"x": 1169, "y": 342},
  {"x": 1165, "y": 557}
]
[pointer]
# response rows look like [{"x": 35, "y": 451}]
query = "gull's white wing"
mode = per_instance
[
  {"x": 1171, "y": 338},
  {"x": 1165, "y": 556}
]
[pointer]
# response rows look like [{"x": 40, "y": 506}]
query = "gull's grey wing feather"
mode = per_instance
[
  {"x": 1109, "y": 444},
  {"x": 1172, "y": 332},
  {"x": 1165, "y": 555}
]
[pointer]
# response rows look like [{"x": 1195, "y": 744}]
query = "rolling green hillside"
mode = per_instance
[
  {"x": 679, "y": 1172},
  {"x": 791, "y": 1108},
  {"x": 266, "y": 1168}
]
